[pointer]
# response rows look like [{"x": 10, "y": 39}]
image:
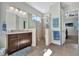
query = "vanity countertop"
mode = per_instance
[{"x": 20, "y": 31}]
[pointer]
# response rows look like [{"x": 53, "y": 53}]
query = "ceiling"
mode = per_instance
[
  {"x": 70, "y": 5},
  {"x": 43, "y": 7}
]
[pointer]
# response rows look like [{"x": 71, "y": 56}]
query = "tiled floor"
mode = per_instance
[
  {"x": 72, "y": 39},
  {"x": 65, "y": 50}
]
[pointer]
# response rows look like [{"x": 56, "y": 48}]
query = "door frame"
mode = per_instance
[{"x": 64, "y": 22}]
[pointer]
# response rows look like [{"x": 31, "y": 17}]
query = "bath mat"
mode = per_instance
[{"x": 22, "y": 52}]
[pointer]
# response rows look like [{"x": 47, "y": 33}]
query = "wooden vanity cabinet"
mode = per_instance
[
  {"x": 19, "y": 41},
  {"x": 12, "y": 42},
  {"x": 25, "y": 39}
]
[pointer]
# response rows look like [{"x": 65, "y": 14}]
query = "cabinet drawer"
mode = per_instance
[
  {"x": 25, "y": 35},
  {"x": 12, "y": 36},
  {"x": 29, "y": 34}
]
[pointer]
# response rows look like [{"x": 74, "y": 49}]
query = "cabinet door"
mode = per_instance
[
  {"x": 21, "y": 41},
  {"x": 29, "y": 39},
  {"x": 12, "y": 43},
  {"x": 25, "y": 40}
]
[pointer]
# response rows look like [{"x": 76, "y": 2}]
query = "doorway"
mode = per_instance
[
  {"x": 71, "y": 27},
  {"x": 36, "y": 23}
]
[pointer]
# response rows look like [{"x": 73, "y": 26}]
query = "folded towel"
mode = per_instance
[{"x": 48, "y": 52}]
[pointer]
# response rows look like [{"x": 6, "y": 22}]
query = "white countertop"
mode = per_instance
[{"x": 20, "y": 31}]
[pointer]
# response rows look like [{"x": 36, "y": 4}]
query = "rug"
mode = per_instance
[{"x": 22, "y": 52}]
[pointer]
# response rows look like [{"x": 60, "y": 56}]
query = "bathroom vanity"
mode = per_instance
[{"x": 20, "y": 39}]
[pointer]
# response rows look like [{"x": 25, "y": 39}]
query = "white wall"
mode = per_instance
[
  {"x": 2, "y": 20},
  {"x": 63, "y": 29},
  {"x": 70, "y": 6},
  {"x": 47, "y": 32},
  {"x": 3, "y": 6}
]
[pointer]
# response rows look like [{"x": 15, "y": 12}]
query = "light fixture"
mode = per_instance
[
  {"x": 11, "y": 8},
  {"x": 24, "y": 13},
  {"x": 16, "y": 10},
  {"x": 20, "y": 11}
]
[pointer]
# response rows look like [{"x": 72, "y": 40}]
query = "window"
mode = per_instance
[
  {"x": 36, "y": 21},
  {"x": 56, "y": 35},
  {"x": 36, "y": 18},
  {"x": 55, "y": 22}
]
